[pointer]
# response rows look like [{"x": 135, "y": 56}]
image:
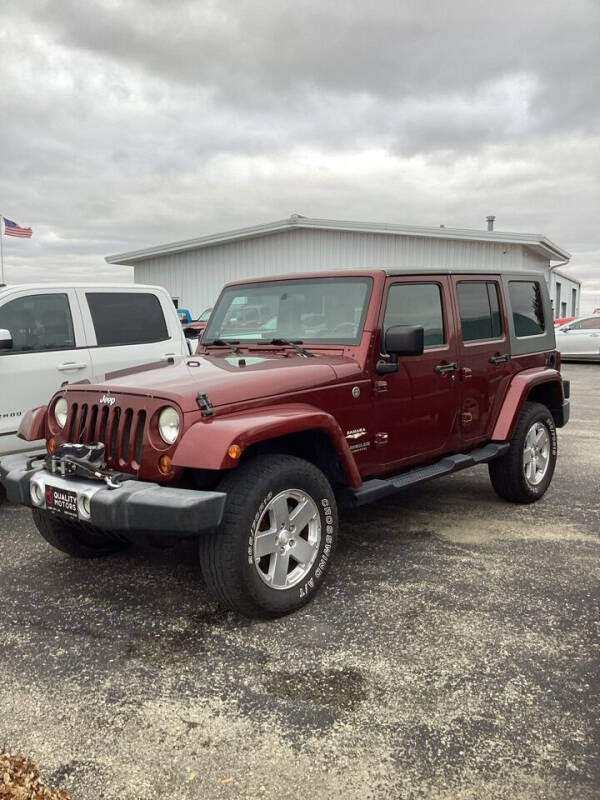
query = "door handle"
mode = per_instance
[
  {"x": 67, "y": 365},
  {"x": 500, "y": 359},
  {"x": 443, "y": 368}
]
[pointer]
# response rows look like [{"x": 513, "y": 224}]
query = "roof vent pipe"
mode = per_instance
[{"x": 490, "y": 221}]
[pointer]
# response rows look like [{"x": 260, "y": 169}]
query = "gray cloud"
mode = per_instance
[{"x": 131, "y": 123}]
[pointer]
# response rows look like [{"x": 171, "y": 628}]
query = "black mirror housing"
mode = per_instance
[
  {"x": 404, "y": 340},
  {"x": 401, "y": 340}
]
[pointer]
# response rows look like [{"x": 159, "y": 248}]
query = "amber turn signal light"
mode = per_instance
[
  {"x": 164, "y": 464},
  {"x": 51, "y": 446},
  {"x": 235, "y": 451}
]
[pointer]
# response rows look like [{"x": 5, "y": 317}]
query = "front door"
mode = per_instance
[
  {"x": 48, "y": 348},
  {"x": 417, "y": 405},
  {"x": 483, "y": 355}
]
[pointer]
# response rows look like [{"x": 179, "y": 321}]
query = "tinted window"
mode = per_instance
[
  {"x": 417, "y": 304},
  {"x": 38, "y": 322},
  {"x": 527, "y": 307},
  {"x": 127, "y": 318},
  {"x": 479, "y": 310}
]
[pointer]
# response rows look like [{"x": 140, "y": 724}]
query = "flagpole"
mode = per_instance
[{"x": 1, "y": 249}]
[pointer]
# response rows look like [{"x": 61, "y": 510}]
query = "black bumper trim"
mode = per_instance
[{"x": 136, "y": 507}]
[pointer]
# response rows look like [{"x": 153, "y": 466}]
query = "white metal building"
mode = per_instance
[
  {"x": 194, "y": 271},
  {"x": 564, "y": 292}
]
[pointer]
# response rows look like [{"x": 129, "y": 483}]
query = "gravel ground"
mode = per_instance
[{"x": 453, "y": 653}]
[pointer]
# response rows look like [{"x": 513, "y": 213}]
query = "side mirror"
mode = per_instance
[
  {"x": 6, "y": 341},
  {"x": 401, "y": 340}
]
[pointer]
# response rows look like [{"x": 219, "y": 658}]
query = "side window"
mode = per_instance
[
  {"x": 417, "y": 304},
  {"x": 38, "y": 322},
  {"x": 126, "y": 318},
  {"x": 479, "y": 310},
  {"x": 527, "y": 307},
  {"x": 592, "y": 323}
]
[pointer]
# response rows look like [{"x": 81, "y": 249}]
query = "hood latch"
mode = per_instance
[{"x": 204, "y": 404}]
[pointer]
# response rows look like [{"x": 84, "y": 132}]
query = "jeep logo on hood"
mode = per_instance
[{"x": 106, "y": 400}]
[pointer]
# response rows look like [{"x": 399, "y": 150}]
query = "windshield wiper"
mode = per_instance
[
  {"x": 231, "y": 343},
  {"x": 295, "y": 344}
]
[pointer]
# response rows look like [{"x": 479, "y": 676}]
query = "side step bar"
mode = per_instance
[{"x": 376, "y": 488}]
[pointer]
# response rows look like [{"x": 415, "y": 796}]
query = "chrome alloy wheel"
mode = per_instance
[
  {"x": 287, "y": 539},
  {"x": 536, "y": 454}
]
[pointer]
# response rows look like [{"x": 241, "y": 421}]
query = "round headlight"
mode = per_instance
[
  {"x": 168, "y": 425},
  {"x": 60, "y": 411}
]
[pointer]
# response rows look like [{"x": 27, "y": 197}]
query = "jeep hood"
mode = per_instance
[{"x": 225, "y": 379}]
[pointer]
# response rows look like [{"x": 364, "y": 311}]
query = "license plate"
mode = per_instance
[{"x": 63, "y": 501}]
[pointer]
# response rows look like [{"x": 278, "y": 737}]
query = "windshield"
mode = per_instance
[{"x": 328, "y": 310}]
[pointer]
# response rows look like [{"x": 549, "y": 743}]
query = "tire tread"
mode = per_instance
[
  {"x": 69, "y": 537},
  {"x": 506, "y": 472},
  {"x": 220, "y": 551}
]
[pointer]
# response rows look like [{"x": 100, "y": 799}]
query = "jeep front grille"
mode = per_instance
[{"x": 121, "y": 430}]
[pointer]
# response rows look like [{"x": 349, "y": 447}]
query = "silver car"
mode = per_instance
[{"x": 580, "y": 339}]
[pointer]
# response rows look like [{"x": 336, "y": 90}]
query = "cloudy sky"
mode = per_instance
[{"x": 127, "y": 124}]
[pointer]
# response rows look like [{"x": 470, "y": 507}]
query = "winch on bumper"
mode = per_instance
[{"x": 112, "y": 504}]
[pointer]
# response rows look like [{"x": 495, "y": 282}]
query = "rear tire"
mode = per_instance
[
  {"x": 272, "y": 550},
  {"x": 74, "y": 538},
  {"x": 524, "y": 474}
]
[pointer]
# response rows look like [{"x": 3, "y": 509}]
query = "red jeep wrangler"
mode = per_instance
[{"x": 351, "y": 386}]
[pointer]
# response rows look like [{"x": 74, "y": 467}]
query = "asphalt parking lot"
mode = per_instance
[{"x": 453, "y": 653}]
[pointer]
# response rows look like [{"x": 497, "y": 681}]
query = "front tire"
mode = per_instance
[
  {"x": 525, "y": 472},
  {"x": 273, "y": 548},
  {"x": 74, "y": 538}
]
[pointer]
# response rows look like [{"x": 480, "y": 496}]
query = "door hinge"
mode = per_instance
[
  {"x": 380, "y": 386},
  {"x": 466, "y": 373}
]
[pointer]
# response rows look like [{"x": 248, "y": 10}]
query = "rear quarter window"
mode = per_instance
[
  {"x": 122, "y": 318},
  {"x": 527, "y": 308}
]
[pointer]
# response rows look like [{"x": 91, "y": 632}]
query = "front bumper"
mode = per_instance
[{"x": 135, "y": 507}]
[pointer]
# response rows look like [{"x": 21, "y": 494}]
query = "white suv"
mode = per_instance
[{"x": 51, "y": 334}]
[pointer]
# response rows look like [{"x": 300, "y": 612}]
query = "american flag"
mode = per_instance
[{"x": 12, "y": 229}]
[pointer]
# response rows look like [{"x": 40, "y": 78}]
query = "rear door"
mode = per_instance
[
  {"x": 48, "y": 348},
  {"x": 483, "y": 354},
  {"x": 417, "y": 406},
  {"x": 128, "y": 327}
]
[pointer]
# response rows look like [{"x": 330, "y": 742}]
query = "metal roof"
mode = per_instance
[
  {"x": 540, "y": 243},
  {"x": 567, "y": 277}
]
